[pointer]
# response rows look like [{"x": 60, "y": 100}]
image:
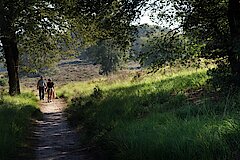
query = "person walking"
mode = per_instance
[
  {"x": 50, "y": 90},
  {"x": 41, "y": 85}
]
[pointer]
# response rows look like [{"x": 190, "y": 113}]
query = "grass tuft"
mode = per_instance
[
  {"x": 15, "y": 115},
  {"x": 158, "y": 117}
]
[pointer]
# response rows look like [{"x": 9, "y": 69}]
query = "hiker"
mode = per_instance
[
  {"x": 50, "y": 90},
  {"x": 41, "y": 85}
]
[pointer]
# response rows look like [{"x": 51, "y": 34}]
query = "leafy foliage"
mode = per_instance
[
  {"x": 88, "y": 21},
  {"x": 37, "y": 57},
  {"x": 3, "y": 82},
  {"x": 94, "y": 20},
  {"x": 157, "y": 47},
  {"x": 212, "y": 25},
  {"x": 108, "y": 54},
  {"x": 1, "y": 53}
]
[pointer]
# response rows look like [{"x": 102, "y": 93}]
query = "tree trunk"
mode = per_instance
[
  {"x": 12, "y": 60},
  {"x": 234, "y": 25}
]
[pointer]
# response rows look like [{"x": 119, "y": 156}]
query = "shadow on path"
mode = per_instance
[{"x": 55, "y": 139}]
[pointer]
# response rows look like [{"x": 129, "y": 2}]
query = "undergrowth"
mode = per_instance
[
  {"x": 15, "y": 117},
  {"x": 157, "y": 117}
]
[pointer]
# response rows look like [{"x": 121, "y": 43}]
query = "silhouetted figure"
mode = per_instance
[
  {"x": 41, "y": 85},
  {"x": 50, "y": 90}
]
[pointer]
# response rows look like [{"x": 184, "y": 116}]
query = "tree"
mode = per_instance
[
  {"x": 215, "y": 24},
  {"x": 89, "y": 20},
  {"x": 234, "y": 26},
  {"x": 108, "y": 54},
  {"x": 18, "y": 18},
  {"x": 39, "y": 52}
]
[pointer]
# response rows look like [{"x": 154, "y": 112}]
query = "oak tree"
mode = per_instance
[{"x": 88, "y": 20}]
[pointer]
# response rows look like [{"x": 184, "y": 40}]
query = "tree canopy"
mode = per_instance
[
  {"x": 210, "y": 26},
  {"x": 213, "y": 25},
  {"x": 87, "y": 20}
]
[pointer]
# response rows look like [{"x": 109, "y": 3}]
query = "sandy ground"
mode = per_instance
[{"x": 56, "y": 140}]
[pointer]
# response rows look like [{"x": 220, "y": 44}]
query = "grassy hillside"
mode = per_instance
[
  {"x": 157, "y": 116},
  {"x": 15, "y": 117}
]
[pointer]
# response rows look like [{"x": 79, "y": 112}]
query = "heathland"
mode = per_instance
[{"x": 175, "y": 115}]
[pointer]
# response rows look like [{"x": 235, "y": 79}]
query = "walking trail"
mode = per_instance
[{"x": 56, "y": 140}]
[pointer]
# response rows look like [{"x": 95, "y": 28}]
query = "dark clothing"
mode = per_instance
[
  {"x": 41, "y": 92},
  {"x": 50, "y": 90},
  {"x": 50, "y": 85}
]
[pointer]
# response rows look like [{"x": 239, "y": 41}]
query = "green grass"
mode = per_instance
[
  {"x": 153, "y": 118},
  {"x": 15, "y": 115}
]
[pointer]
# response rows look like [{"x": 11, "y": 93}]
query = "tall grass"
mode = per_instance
[
  {"x": 15, "y": 115},
  {"x": 153, "y": 118}
]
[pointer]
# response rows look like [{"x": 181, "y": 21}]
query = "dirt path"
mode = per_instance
[{"x": 56, "y": 140}]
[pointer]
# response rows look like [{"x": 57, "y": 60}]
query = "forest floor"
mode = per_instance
[{"x": 54, "y": 138}]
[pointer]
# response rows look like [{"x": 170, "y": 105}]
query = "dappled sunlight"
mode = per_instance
[
  {"x": 15, "y": 119},
  {"x": 21, "y": 100},
  {"x": 155, "y": 116},
  {"x": 53, "y": 137}
]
